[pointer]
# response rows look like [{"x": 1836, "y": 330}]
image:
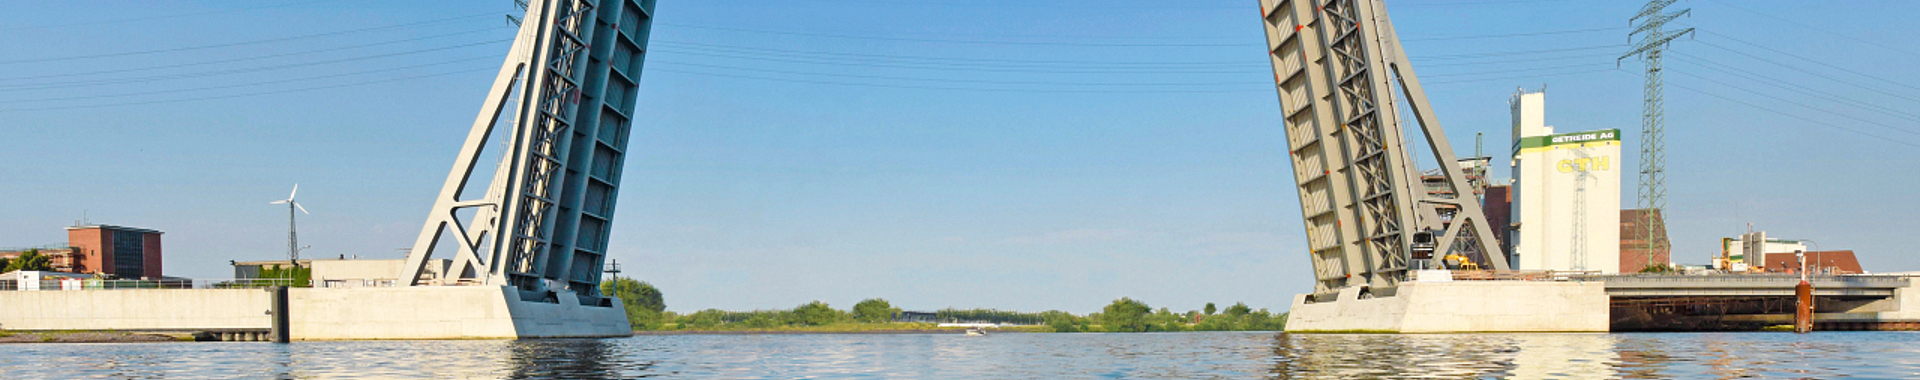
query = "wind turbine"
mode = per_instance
[{"x": 293, "y": 236}]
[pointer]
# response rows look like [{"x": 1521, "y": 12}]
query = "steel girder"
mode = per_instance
[
  {"x": 1336, "y": 63},
  {"x": 559, "y": 169}
]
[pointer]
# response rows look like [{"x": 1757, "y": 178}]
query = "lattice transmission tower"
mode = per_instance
[{"x": 1648, "y": 26}]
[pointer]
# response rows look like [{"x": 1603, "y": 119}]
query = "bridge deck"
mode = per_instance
[{"x": 1746, "y": 285}]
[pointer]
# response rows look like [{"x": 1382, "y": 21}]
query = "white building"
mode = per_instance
[
  {"x": 346, "y": 273},
  {"x": 1566, "y": 194},
  {"x": 1735, "y": 250}
]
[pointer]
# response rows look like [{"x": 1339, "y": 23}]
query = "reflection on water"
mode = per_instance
[
  {"x": 1001, "y": 356},
  {"x": 1877, "y": 355}
]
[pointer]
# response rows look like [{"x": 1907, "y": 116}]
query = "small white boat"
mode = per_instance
[{"x": 976, "y": 331}]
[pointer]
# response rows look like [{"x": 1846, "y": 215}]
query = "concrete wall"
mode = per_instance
[
  {"x": 1903, "y": 307},
  {"x": 1465, "y": 306},
  {"x": 437, "y": 312},
  {"x": 155, "y": 309},
  {"x": 443, "y": 312}
]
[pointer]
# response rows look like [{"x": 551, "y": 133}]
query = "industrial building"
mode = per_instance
[
  {"x": 1818, "y": 262},
  {"x": 344, "y": 273},
  {"x": 1566, "y": 194},
  {"x": 118, "y": 251},
  {"x": 1634, "y": 236},
  {"x": 1733, "y": 253}
]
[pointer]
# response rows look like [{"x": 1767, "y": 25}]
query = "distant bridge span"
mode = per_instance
[{"x": 1748, "y": 285}]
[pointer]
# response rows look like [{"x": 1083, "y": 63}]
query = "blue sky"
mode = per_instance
[{"x": 977, "y": 153}]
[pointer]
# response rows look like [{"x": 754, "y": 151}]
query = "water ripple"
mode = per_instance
[{"x": 1002, "y": 356}]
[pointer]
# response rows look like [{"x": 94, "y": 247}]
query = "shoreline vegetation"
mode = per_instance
[
  {"x": 82, "y": 336},
  {"x": 646, "y": 311}
]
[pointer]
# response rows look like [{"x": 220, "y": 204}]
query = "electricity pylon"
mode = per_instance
[{"x": 1653, "y": 155}]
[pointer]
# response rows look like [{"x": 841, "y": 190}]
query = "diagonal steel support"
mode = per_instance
[
  {"x": 1336, "y": 64},
  {"x": 506, "y": 240}
]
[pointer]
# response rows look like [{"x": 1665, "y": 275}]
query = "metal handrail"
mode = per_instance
[{"x": 1514, "y": 275}]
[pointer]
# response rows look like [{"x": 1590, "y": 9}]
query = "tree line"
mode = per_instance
[
  {"x": 30, "y": 260},
  {"x": 646, "y": 310}
]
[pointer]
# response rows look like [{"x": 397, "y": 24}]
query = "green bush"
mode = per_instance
[
  {"x": 1125, "y": 315},
  {"x": 873, "y": 310}
]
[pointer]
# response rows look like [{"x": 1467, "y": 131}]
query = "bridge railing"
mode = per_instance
[
  {"x": 1501, "y": 275},
  {"x": 1755, "y": 279}
]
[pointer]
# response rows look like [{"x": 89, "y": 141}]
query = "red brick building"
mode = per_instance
[
  {"x": 124, "y": 252},
  {"x": 1818, "y": 262},
  {"x": 1498, "y": 204},
  {"x": 1633, "y": 240}
]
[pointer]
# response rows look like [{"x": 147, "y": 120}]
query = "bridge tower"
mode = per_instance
[
  {"x": 564, "y": 98},
  {"x": 1337, "y": 65}
]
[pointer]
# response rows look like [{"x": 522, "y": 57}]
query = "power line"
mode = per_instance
[
  {"x": 1806, "y": 26},
  {"x": 810, "y": 81},
  {"x": 1809, "y": 72},
  {"x": 1790, "y": 102},
  {"x": 1508, "y": 78},
  {"x": 1880, "y": 78},
  {"x": 244, "y": 43},
  {"x": 116, "y": 81},
  {"x": 878, "y": 38},
  {"x": 1773, "y": 81},
  {"x": 1508, "y": 71},
  {"x": 943, "y": 80},
  {"x": 255, "y": 58},
  {"x": 763, "y": 50},
  {"x": 936, "y": 60},
  {"x": 1777, "y": 112},
  {"x": 1519, "y": 52},
  {"x": 242, "y": 95},
  {"x": 974, "y": 68},
  {"x": 162, "y": 17},
  {"x": 305, "y": 79},
  {"x": 1529, "y": 34},
  {"x": 1587, "y": 56}
]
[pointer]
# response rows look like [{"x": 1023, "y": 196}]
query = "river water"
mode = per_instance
[{"x": 1218, "y": 355}]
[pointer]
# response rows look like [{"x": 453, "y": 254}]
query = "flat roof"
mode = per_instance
[
  {"x": 117, "y": 228},
  {"x": 310, "y": 261}
]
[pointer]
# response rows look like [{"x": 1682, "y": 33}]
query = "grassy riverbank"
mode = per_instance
[
  {"x": 646, "y": 309},
  {"x": 836, "y": 328}
]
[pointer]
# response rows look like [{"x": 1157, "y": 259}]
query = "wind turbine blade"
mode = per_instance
[
  {"x": 277, "y": 202},
  {"x": 296, "y": 190},
  {"x": 303, "y": 210}
]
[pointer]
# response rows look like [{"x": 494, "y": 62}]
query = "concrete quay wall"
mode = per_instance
[
  {"x": 427, "y": 312},
  {"x": 1464, "y": 306},
  {"x": 444, "y": 312},
  {"x": 145, "y": 309}
]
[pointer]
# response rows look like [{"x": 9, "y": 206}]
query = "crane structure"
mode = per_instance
[
  {"x": 1337, "y": 65},
  {"x": 567, "y": 91}
]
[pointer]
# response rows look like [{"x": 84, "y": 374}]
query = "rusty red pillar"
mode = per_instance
[{"x": 1803, "y": 309}]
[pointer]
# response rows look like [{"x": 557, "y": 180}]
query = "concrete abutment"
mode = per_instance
[
  {"x": 426, "y": 312},
  {"x": 1456, "y": 307}
]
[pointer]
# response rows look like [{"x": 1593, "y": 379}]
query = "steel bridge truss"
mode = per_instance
[
  {"x": 1336, "y": 64},
  {"x": 541, "y": 226}
]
